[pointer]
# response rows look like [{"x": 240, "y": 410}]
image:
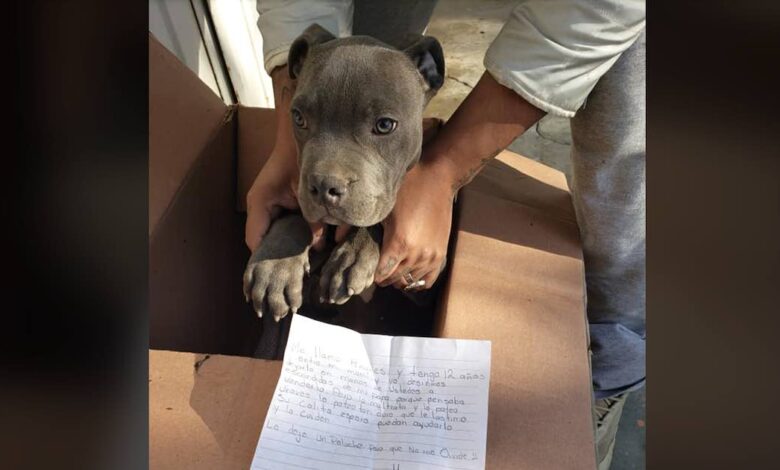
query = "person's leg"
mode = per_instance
[
  {"x": 608, "y": 188},
  {"x": 390, "y": 21}
]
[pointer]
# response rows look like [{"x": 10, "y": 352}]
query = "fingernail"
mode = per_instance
[
  {"x": 294, "y": 311},
  {"x": 259, "y": 314},
  {"x": 322, "y": 299},
  {"x": 246, "y": 297},
  {"x": 350, "y": 292},
  {"x": 331, "y": 300}
]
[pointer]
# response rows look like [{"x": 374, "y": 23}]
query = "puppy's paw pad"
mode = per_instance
[
  {"x": 349, "y": 270},
  {"x": 275, "y": 286}
]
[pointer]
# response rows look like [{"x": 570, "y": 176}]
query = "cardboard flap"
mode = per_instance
[
  {"x": 521, "y": 180},
  {"x": 196, "y": 250},
  {"x": 517, "y": 279},
  {"x": 184, "y": 116},
  {"x": 206, "y": 412}
]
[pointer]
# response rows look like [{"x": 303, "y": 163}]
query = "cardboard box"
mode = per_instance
[{"x": 515, "y": 277}]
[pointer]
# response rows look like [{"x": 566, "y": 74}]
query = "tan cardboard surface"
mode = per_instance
[
  {"x": 176, "y": 96},
  {"x": 196, "y": 248},
  {"x": 516, "y": 279},
  {"x": 256, "y": 135},
  {"x": 207, "y": 418}
]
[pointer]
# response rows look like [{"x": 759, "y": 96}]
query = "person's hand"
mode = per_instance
[
  {"x": 275, "y": 187},
  {"x": 272, "y": 191},
  {"x": 417, "y": 231}
]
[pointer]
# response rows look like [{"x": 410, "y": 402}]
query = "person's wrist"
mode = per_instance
[
  {"x": 440, "y": 171},
  {"x": 285, "y": 153},
  {"x": 256, "y": 193},
  {"x": 284, "y": 140}
]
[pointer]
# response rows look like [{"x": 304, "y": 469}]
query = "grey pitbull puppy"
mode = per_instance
[{"x": 357, "y": 116}]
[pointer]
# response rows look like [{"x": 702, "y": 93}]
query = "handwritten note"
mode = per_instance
[{"x": 351, "y": 401}]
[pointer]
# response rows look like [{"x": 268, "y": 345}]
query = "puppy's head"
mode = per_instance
[{"x": 357, "y": 118}]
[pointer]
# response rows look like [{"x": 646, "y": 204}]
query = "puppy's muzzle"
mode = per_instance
[{"x": 328, "y": 190}]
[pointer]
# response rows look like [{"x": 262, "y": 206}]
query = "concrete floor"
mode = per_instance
[{"x": 465, "y": 29}]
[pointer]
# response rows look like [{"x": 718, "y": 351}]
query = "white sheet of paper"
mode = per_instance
[{"x": 349, "y": 401}]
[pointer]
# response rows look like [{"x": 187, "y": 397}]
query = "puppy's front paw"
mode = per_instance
[
  {"x": 276, "y": 285},
  {"x": 351, "y": 266}
]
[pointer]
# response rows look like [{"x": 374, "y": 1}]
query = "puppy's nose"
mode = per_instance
[{"x": 329, "y": 189}]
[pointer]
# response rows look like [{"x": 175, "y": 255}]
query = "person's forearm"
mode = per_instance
[
  {"x": 284, "y": 88},
  {"x": 275, "y": 185},
  {"x": 487, "y": 121}
]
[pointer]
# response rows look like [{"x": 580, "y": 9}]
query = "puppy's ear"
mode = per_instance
[
  {"x": 311, "y": 36},
  {"x": 426, "y": 53}
]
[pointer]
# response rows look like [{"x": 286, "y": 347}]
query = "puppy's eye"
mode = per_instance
[
  {"x": 385, "y": 125},
  {"x": 298, "y": 119}
]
